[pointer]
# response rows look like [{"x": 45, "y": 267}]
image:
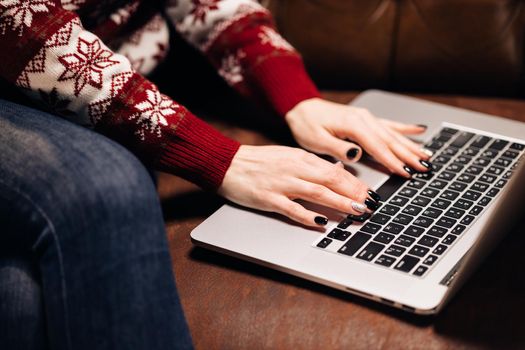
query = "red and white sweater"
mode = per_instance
[{"x": 86, "y": 61}]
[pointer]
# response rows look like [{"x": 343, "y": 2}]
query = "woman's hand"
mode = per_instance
[
  {"x": 269, "y": 178},
  {"x": 323, "y": 127}
]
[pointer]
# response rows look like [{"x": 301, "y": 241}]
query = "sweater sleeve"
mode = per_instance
[
  {"x": 48, "y": 54},
  {"x": 240, "y": 40}
]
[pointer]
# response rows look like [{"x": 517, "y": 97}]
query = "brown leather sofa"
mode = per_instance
[{"x": 454, "y": 46}]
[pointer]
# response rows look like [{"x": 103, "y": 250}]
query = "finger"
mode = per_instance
[
  {"x": 405, "y": 129},
  {"x": 409, "y": 158},
  {"x": 337, "y": 148},
  {"x": 411, "y": 145},
  {"x": 297, "y": 212}
]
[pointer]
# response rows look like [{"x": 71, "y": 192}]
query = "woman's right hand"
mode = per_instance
[{"x": 270, "y": 178}]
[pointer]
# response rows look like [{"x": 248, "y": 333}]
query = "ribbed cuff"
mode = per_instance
[
  {"x": 199, "y": 153},
  {"x": 285, "y": 82}
]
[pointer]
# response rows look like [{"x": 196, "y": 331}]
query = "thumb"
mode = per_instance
[{"x": 343, "y": 150}]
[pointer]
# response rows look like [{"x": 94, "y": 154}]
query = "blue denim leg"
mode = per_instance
[{"x": 87, "y": 212}]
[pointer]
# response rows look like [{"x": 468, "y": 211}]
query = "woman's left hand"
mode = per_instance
[{"x": 324, "y": 127}]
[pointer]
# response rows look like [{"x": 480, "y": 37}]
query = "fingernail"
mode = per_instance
[
  {"x": 409, "y": 170},
  {"x": 321, "y": 220},
  {"x": 422, "y": 126},
  {"x": 360, "y": 207},
  {"x": 374, "y": 195},
  {"x": 352, "y": 153},
  {"x": 370, "y": 204},
  {"x": 426, "y": 164},
  {"x": 427, "y": 152},
  {"x": 339, "y": 164}
]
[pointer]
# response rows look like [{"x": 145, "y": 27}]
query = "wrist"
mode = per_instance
[{"x": 298, "y": 110}]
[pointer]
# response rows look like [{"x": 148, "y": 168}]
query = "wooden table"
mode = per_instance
[{"x": 232, "y": 304}]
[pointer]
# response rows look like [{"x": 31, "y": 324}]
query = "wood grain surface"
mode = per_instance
[{"x": 232, "y": 304}]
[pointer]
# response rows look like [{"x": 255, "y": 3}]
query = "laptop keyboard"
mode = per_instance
[{"x": 419, "y": 219}]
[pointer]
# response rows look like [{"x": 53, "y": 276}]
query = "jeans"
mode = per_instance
[{"x": 84, "y": 259}]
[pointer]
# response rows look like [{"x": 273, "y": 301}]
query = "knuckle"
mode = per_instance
[{"x": 317, "y": 192}]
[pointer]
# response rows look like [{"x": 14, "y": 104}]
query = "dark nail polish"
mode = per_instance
[
  {"x": 374, "y": 195},
  {"x": 320, "y": 220},
  {"x": 422, "y": 126},
  {"x": 409, "y": 170},
  {"x": 352, "y": 153},
  {"x": 370, "y": 204},
  {"x": 426, "y": 164}
]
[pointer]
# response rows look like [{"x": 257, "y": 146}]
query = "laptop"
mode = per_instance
[{"x": 429, "y": 233}]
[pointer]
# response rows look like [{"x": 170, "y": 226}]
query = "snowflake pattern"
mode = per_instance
[
  {"x": 270, "y": 36},
  {"x": 201, "y": 8},
  {"x": 72, "y": 5},
  {"x": 152, "y": 113},
  {"x": 86, "y": 65},
  {"x": 231, "y": 69},
  {"x": 54, "y": 103},
  {"x": 18, "y": 14}
]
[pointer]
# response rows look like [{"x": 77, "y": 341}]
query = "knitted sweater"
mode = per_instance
[{"x": 86, "y": 60}]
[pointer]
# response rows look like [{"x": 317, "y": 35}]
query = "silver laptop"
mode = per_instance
[{"x": 430, "y": 232}]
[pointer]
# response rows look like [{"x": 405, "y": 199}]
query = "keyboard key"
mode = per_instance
[
  {"x": 441, "y": 204},
  {"x": 454, "y": 167},
  {"x": 370, "y": 251},
  {"x": 380, "y": 218},
  {"x": 482, "y": 162},
  {"x": 345, "y": 223},
  {"x": 517, "y": 146},
  {"x": 495, "y": 170},
  {"x": 384, "y": 238},
  {"x": 479, "y": 186},
  {"x": 437, "y": 231},
  {"x": 471, "y": 195},
  {"x": 449, "y": 195},
  {"x": 405, "y": 241},
  {"x": 418, "y": 250},
  {"x": 338, "y": 234},
  {"x": 441, "y": 159},
  {"x": 436, "y": 167},
  {"x": 414, "y": 231},
  {"x": 466, "y": 178},
  {"x": 428, "y": 241},
  {"x": 438, "y": 184},
  {"x": 395, "y": 250},
  {"x": 462, "y": 139},
  {"x": 420, "y": 270},
  {"x": 359, "y": 218},
  {"x": 476, "y": 210},
  {"x": 470, "y": 152},
  {"x": 432, "y": 212},
  {"x": 490, "y": 153},
  {"x": 473, "y": 170},
  {"x": 493, "y": 192},
  {"x": 498, "y": 144},
  {"x": 450, "y": 151},
  {"x": 500, "y": 183},
  {"x": 467, "y": 220},
  {"x": 443, "y": 137},
  {"x": 455, "y": 213},
  {"x": 480, "y": 141},
  {"x": 434, "y": 145},
  {"x": 446, "y": 175},
  {"x": 451, "y": 131},
  {"x": 324, "y": 242},
  {"x": 421, "y": 201},
  {"x": 440, "y": 249},
  {"x": 457, "y": 186},
  {"x": 510, "y": 154},
  {"x": 406, "y": 263},
  {"x": 430, "y": 192},
  {"x": 389, "y": 210},
  {"x": 385, "y": 260},
  {"x": 354, "y": 243},
  {"x": 389, "y": 187},
  {"x": 403, "y": 219},
  {"x": 370, "y": 228},
  {"x": 507, "y": 175},
  {"x": 425, "y": 176},
  {"x": 423, "y": 221},
  {"x": 446, "y": 222},
  {"x": 416, "y": 183},
  {"x": 458, "y": 229},
  {"x": 393, "y": 228},
  {"x": 399, "y": 201},
  {"x": 463, "y": 160},
  {"x": 449, "y": 239},
  {"x": 408, "y": 192},
  {"x": 463, "y": 204},
  {"x": 484, "y": 201},
  {"x": 431, "y": 259},
  {"x": 504, "y": 162},
  {"x": 411, "y": 210}
]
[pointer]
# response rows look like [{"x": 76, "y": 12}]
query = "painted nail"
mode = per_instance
[
  {"x": 370, "y": 204},
  {"x": 374, "y": 195},
  {"x": 409, "y": 170},
  {"x": 360, "y": 207},
  {"x": 422, "y": 126},
  {"x": 352, "y": 153},
  {"x": 321, "y": 220},
  {"x": 426, "y": 164},
  {"x": 427, "y": 152}
]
